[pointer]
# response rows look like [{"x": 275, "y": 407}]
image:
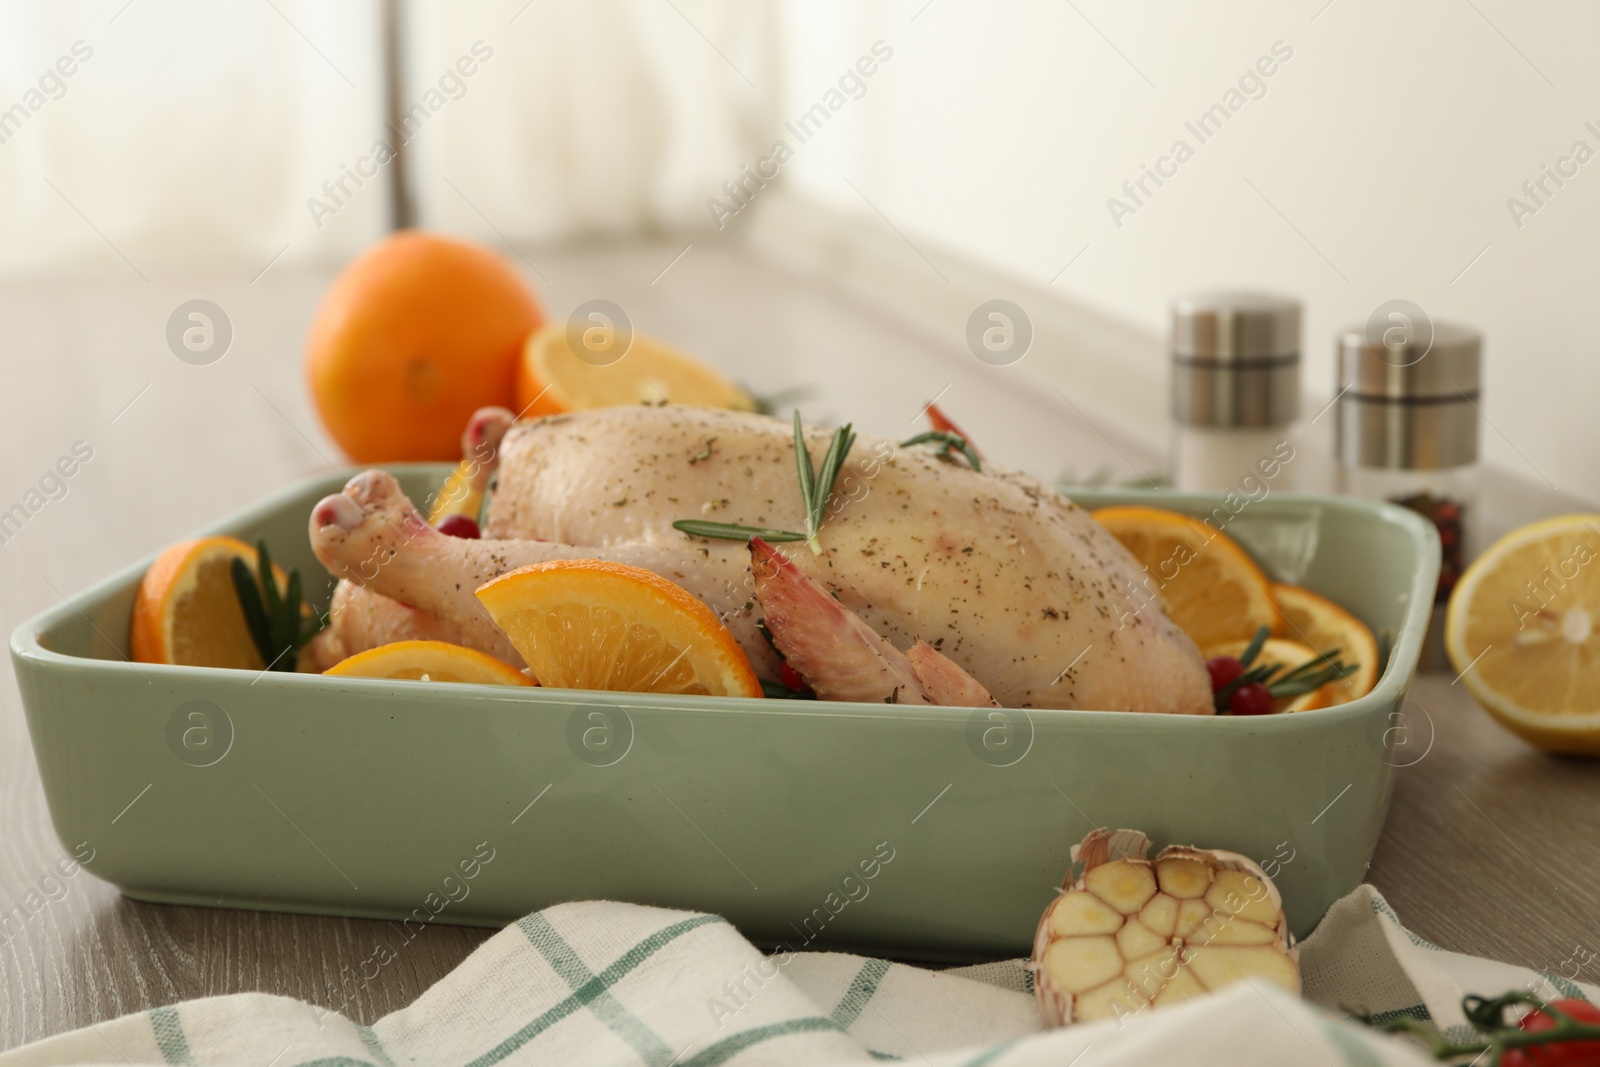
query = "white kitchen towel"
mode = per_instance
[{"x": 607, "y": 983}]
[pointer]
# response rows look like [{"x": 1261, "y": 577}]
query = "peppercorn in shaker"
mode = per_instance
[{"x": 1235, "y": 389}]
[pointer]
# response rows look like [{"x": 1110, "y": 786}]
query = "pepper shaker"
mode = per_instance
[
  {"x": 1235, "y": 388},
  {"x": 1406, "y": 431}
]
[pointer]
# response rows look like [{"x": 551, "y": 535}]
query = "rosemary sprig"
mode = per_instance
[
  {"x": 1253, "y": 649},
  {"x": 1308, "y": 677},
  {"x": 820, "y": 485},
  {"x": 276, "y": 624},
  {"x": 816, "y": 489},
  {"x": 730, "y": 531},
  {"x": 802, "y": 461},
  {"x": 950, "y": 443}
]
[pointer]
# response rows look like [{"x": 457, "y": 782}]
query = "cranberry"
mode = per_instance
[
  {"x": 1252, "y": 698},
  {"x": 1223, "y": 669},
  {"x": 791, "y": 679},
  {"x": 460, "y": 526}
]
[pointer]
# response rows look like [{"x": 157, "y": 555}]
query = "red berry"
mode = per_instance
[
  {"x": 791, "y": 679},
  {"x": 1252, "y": 698},
  {"x": 1223, "y": 669},
  {"x": 459, "y": 526}
]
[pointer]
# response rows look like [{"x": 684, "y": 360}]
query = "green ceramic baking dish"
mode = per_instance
[{"x": 921, "y": 832}]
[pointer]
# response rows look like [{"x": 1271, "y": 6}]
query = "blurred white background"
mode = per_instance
[{"x": 1376, "y": 161}]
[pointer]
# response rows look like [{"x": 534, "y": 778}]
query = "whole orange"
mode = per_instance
[{"x": 416, "y": 334}]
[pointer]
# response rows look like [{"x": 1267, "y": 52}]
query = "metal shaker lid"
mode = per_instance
[
  {"x": 1437, "y": 361},
  {"x": 1408, "y": 395},
  {"x": 1235, "y": 359}
]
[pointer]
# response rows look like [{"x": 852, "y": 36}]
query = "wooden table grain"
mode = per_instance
[{"x": 1491, "y": 847}]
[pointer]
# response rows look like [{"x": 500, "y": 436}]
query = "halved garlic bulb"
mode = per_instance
[{"x": 1131, "y": 932}]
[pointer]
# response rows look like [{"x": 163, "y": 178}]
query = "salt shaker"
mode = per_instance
[
  {"x": 1406, "y": 431},
  {"x": 1235, "y": 390}
]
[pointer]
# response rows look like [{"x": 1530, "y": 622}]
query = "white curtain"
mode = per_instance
[
  {"x": 234, "y": 133},
  {"x": 192, "y": 132},
  {"x": 592, "y": 116}
]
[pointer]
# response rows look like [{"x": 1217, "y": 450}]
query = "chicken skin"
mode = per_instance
[{"x": 1013, "y": 583}]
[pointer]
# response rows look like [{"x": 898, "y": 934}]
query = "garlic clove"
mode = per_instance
[
  {"x": 1234, "y": 931},
  {"x": 1150, "y": 973},
  {"x": 1242, "y": 894},
  {"x": 1078, "y": 913},
  {"x": 1161, "y": 914},
  {"x": 1191, "y": 913},
  {"x": 1135, "y": 939},
  {"x": 1216, "y": 967},
  {"x": 1078, "y": 964},
  {"x": 1114, "y": 999},
  {"x": 1184, "y": 878},
  {"x": 1124, "y": 884},
  {"x": 1179, "y": 988}
]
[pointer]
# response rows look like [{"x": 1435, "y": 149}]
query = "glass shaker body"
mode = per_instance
[
  {"x": 1448, "y": 497},
  {"x": 1212, "y": 459},
  {"x": 1235, "y": 377},
  {"x": 1406, "y": 431}
]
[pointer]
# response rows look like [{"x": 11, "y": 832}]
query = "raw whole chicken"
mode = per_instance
[{"x": 1007, "y": 580}]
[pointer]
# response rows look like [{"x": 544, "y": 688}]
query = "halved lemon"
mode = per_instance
[
  {"x": 187, "y": 612},
  {"x": 609, "y": 369},
  {"x": 1521, "y": 627},
  {"x": 1325, "y": 626},
  {"x": 457, "y": 496},
  {"x": 593, "y": 624},
  {"x": 1290, "y": 654},
  {"x": 428, "y": 661},
  {"x": 1213, "y": 589}
]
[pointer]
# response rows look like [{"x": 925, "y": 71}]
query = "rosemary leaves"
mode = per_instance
[
  {"x": 816, "y": 489},
  {"x": 278, "y": 625}
]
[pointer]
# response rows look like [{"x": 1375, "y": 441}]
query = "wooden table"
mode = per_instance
[{"x": 1491, "y": 847}]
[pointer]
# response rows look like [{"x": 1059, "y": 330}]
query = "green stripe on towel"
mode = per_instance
[
  {"x": 170, "y": 1038},
  {"x": 1418, "y": 1012},
  {"x": 862, "y": 986},
  {"x": 608, "y": 977},
  {"x": 1563, "y": 985},
  {"x": 730, "y": 1047},
  {"x": 374, "y": 1046},
  {"x": 561, "y": 956}
]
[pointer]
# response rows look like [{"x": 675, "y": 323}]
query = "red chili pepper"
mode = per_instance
[
  {"x": 942, "y": 424},
  {"x": 791, "y": 679}
]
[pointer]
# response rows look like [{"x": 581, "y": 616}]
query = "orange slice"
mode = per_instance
[
  {"x": 592, "y": 624},
  {"x": 457, "y": 496},
  {"x": 186, "y": 610},
  {"x": 1290, "y": 654},
  {"x": 612, "y": 370},
  {"x": 1326, "y": 627},
  {"x": 1213, "y": 589},
  {"x": 428, "y": 661},
  {"x": 1521, "y": 626}
]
